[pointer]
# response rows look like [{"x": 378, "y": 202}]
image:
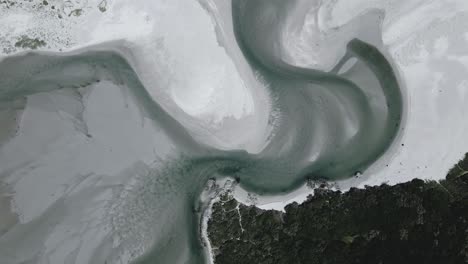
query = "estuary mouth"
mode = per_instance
[
  {"x": 349, "y": 115},
  {"x": 112, "y": 123}
]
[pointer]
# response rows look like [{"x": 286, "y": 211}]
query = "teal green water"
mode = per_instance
[{"x": 344, "y": 121}]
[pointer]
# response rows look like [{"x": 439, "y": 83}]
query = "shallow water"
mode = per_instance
[{"x": 103, "y": 168}]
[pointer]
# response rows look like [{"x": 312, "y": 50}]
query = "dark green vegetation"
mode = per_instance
[
  {"x": 413, "y": 222},
  {"x": 26, "y": 42}
]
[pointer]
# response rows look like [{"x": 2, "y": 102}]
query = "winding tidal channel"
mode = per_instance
[{"x": 98, "y": 165}]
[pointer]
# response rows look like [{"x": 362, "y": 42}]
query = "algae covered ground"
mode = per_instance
[{"x": 413, "y": 222}]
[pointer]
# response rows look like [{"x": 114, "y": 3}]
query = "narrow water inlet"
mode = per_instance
[{"x": 106, "y": 147}]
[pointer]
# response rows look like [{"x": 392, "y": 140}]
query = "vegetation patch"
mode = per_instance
[
  {"x": 26, "y": 42},
  {"x": 413, "y": 222}
]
